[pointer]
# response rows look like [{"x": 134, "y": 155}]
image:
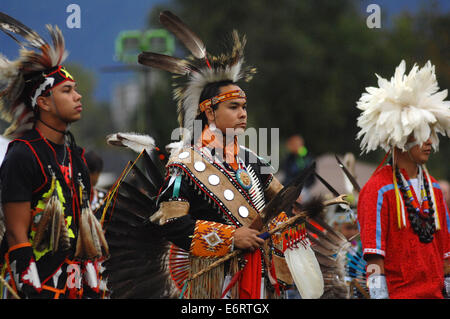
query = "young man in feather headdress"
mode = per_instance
[
  {"x": 214, "y": 188},
  {"x": 403, "y": 218},
  {"x": 44, "y": 179}
]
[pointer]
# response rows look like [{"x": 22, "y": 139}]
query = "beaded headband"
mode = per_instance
[
  {"x": 236, "y": 94},
  {"x": 49, "y": 81}
]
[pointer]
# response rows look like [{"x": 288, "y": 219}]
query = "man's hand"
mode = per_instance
[{"x": 247, "y": 239}]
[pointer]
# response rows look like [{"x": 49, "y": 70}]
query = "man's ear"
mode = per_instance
[
  {"x": 43, "y": 103},
  {"x": 210, "y": 115}
]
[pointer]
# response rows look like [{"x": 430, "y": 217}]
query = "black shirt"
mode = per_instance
[{"x": 21, "y": 174}]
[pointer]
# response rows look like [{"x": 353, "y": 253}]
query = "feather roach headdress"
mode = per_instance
[
  {"x": 407, "y": 104},
  {"x": 192, "y": 74},
  {"x": 37, "y": 70}
]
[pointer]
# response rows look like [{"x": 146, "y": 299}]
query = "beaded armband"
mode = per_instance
[{"x": 212, "y": 239}]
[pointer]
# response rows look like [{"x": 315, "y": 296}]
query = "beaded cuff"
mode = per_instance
[{"x": 212, "y": 239}]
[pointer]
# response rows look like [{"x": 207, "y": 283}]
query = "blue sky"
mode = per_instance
[{"x": 92, "y": 45}]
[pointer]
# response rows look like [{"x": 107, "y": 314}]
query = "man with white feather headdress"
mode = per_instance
[
  {"x": 404, "y": 221},
  {"x": 53, "y": 242}
]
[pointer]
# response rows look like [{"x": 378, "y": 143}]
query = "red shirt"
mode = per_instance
[{"x": 413, "y": 269}]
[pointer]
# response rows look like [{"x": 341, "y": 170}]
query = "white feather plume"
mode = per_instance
[
  {"x": 407, "y": 104},
  {"x": 136, "y": 142},
  {"x": 305, "y": 271}
]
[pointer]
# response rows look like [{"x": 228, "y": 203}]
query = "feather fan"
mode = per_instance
[
  {"x": 134, "y": 141},
  {"x": 139, "y": 255}
]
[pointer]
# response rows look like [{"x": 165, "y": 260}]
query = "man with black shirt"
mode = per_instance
[{"x": 44, "y": 178}]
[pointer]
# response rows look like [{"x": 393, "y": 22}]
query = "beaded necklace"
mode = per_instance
[{"x": 422, "y": 220}]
